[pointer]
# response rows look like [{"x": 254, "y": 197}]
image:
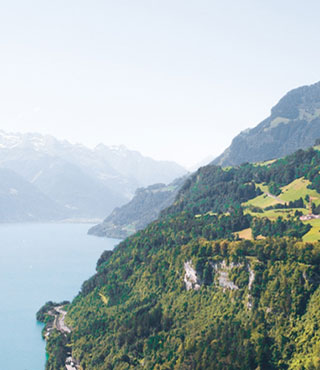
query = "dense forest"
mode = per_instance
[{"x": 247, "y": 304}]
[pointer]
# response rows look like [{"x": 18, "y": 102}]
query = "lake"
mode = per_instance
[{"x": 38, "y": 263}]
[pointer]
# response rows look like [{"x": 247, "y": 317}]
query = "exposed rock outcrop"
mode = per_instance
[
  {"x": 190, "y": 278},
  {"x": 222, "y": 269},
  {"x": 251, "y": 280}
]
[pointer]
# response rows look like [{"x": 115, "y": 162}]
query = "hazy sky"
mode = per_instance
[{"x": 174, "y": 79}]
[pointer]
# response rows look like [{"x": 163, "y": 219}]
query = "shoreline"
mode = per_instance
[{"x": 58, "y": 313}]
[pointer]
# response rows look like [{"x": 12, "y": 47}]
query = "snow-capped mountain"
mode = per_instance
[{"x": 87, "y": 183}]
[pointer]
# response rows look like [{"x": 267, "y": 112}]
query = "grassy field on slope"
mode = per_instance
[
  {"x": 298, "y": 189},
  {"x": 314, "y": 234},
  {"x": 293, "y": 191}
]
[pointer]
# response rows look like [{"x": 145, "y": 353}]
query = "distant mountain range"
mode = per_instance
[
  {"x": 144, "y": 208},
  {"x": 75, "y": 182},
  {"x": 78, "y": 182},
  {"x": 21, "y": 201},
  {"x": 294, "y": 123}
]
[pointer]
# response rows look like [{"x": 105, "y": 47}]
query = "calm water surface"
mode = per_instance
[{"x": 38, "y": 263}]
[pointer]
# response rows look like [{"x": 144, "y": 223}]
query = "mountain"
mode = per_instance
[
  {"x": 204, "y": 162},
  {"x": 222, "y": 280},
  {"x": 144, "y": 208},
  {"x": 145, "y": 171},
  {"x": 87, "y": 183},
  {"x": 294, "y": 123},
  {"x": 21, "y": 201}
]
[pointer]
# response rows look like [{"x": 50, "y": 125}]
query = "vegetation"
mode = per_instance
[
  {"x": 144, "y": 208},
  {"x": 43, "y": 314},
  {"x": 58, "y": 345},
  {"x": 288, "y": 227},
  {"x": 151, "y": 320},
  {"x": 57, "y": 348},
  {"x": 314, "y": 233},
  {"x": 258, "y": 302}
]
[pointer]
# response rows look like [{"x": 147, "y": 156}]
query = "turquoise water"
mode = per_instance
[{"x": 38, "y": 263}]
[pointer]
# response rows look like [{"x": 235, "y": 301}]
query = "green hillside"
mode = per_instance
[
  {"x": 184, "y": 293},
  {"x": 299, "y": 188},
  {"x": 143, "y": 208},
  {"x": 314, "y": 233}
]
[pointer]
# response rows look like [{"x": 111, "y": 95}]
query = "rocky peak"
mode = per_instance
[{"x": 294, "y": 123}]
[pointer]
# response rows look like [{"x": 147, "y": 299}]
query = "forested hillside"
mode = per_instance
[
  {"x": 143, "y": 208},
  {"x": 190, "y": 292}
]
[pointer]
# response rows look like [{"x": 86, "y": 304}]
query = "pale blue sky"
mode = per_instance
[{"x": 173, "y": 79}]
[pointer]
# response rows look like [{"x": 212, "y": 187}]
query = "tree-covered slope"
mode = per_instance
[
  {"x": 143, "y": 208},
  {"x": 140, "y": 315},
  {"x": 294, "y": 124},
  {"x": 215, "y": 189},
  {"x": 185, "y": 293}
]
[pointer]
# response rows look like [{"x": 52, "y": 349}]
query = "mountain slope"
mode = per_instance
[
  {"x": 87, "y": 183},
  {"x": 21, "y": 201},
  {"x": 294, "y": 124},
  {"x": 144, "y": 208},
  {"x": 184, "y": 293},
  {"x": 82, "y": 194},
  {"x": 145, "y": 171}
]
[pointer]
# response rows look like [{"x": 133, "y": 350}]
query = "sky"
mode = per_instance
[{"x": 173, "y": 79}]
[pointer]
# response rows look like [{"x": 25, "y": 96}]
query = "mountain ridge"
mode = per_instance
[
  {"x": 143, "y": 208},
  {"x": 86, "y": 183},
  {"x": 21, "y": 201},
  {"x": 294, "y": 123}
]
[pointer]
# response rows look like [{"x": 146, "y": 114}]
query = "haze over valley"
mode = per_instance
[{"x": 55, "y": 180}]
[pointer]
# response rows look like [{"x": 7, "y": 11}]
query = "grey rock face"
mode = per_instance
[{"x": 294, "y": 123}]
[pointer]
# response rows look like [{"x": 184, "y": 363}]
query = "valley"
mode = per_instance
[{"x": 53, "y": 180}]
